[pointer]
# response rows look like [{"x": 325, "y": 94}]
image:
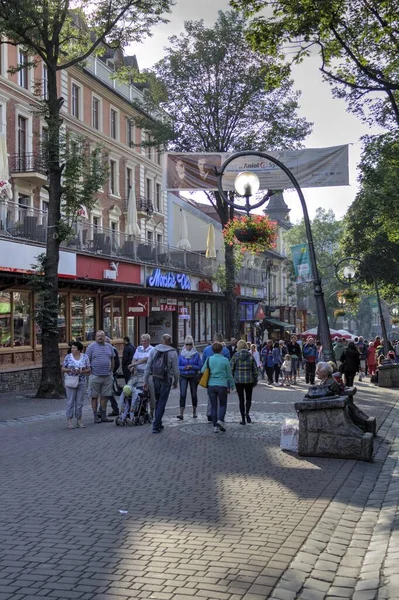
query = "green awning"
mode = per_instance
[{"x": 280, "y": 323}]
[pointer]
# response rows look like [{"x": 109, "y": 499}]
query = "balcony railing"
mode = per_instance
[
  {"x": 28, "y": 163},
  {"x": 26, "y": 223},
  {"x": 144, "y": 205}
]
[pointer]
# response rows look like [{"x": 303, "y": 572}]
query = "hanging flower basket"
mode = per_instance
[
  {"x": 339, "y": 312},
  {"x": 350, "y": 295},
  {"x": 5, "y": 190},
  {"x": 395, "y": 320},
  {"x": 255, "y": 234}
]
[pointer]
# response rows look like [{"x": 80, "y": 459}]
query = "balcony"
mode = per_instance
[
  {"x": 26, "y": 223},
  {"x": 144, "y": 207},
  {"x": 29, "y": 167}
]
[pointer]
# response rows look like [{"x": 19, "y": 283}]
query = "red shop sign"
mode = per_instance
[
  {"x": 139, "y": 306},
  {"x": 205, "y": 285}
]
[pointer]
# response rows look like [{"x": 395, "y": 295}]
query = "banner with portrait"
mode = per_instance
[{"x": 312, "y": 167}]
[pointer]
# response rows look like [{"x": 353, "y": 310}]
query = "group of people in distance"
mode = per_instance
[{"x": 236, "y": 366}]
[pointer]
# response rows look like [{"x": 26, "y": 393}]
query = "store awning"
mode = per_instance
[{"x": 280, "y": 323}]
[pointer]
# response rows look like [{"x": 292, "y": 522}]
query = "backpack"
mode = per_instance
[{"x": 159, "y": 367}]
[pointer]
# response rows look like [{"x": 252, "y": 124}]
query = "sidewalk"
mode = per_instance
[{"x": 210, "y": 516}]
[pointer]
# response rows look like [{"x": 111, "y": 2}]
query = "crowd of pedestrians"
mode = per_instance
[{"x": 236, "y": 366}]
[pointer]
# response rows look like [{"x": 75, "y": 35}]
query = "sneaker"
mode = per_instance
[
  {"x": 216, "y": 430},
  {"x": 221, "y": 426},
  {"x": 209, "y": 419},
  {"x": 106, "y": 420},
  {"x": 156, "y": 430},
  {"x": 97, "y": 419}
]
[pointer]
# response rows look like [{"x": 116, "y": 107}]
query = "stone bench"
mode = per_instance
[
  {"x": 363, "y": 421},
  {"x": 326, "y": 429}
]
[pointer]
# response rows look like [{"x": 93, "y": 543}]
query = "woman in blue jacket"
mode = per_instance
[
  {"x": 190, "y": 364},
  {"x": 220, "y": 383}
]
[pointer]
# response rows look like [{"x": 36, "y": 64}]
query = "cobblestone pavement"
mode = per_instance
[{"x": 209, "y": 516}]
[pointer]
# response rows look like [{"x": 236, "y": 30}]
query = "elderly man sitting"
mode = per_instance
[{"x": 324, "y": 373}]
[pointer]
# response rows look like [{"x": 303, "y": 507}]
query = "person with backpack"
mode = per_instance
[{"x": 163, "y": 367}]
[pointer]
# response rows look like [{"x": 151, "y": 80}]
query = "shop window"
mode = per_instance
[
  {"x": 82, "y": 318},
  {"x": 5, "y": 319},
  {"x": 208, "y": 332},
  {"x": 62, "y": 324},
  {"x": 112, "y": 318}
]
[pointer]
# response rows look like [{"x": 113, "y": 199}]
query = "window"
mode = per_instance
[
  {"x": 23, "y": 205},
  {"x": 15, "y": 319},
  {"x": 158, "y": 197},
  {"x": 1, "y": 116},
  {"x": 114, "y": 124},
  {"x": 129, "y": 133},
  {"x": 75, "y": 100},
  {"x": 44, "y": 212},
  {"x": 96, "y": 113},
  {"x": 114, "y": 235},
  {"x": 113, "y": 177},
  {"x": 96, "y": 224},
  {"x": 148, "y": 189},
  {"x": 159, "y": 239},
  {"x": 150, "y": 236},
  {"x": 23, "y": 71},
  {"x": 82, "y": 318},
  {"x": 112, "y": 318},
  {"x": 129, "y": 181},
  {"x": 45, "y": 82},
  {"x": 22, "y": 136}
]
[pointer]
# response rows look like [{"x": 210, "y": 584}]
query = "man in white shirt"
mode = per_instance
[{"x": 138, "y": 364}]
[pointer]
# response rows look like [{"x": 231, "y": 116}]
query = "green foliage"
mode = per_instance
[
  {"x": 371, "y": 221},
  {"x": 221, "y": 95},
  {"x": 45, "y": 310},
  {"x": 327, "y": 232},
  {"x": 357, "y": 41}
]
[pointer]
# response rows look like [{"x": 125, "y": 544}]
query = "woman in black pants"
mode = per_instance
[
  {"x": 350, "y": 359},
  {"x": 245, "y": 373}
]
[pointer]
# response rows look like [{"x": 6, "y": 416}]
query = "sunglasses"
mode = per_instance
[{"x": 188, "y": 344}]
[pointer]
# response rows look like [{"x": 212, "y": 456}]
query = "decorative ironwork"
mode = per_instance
[
  {"x": 28, "y": 163},
  {"x": 144, "y": 205}
]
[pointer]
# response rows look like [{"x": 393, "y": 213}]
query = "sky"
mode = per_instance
[{"x": 333, "y": 125}]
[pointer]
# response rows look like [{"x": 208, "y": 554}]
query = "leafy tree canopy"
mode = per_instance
[
  {"x": 371, "y": 231},
  {"x": 222, "y": 95},
  {"x": 358, "y": 42}
]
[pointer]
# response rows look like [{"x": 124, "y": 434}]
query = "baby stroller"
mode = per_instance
[{"x": 134, "y": 407}]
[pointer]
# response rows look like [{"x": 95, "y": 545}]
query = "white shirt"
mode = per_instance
[{"x": 142, "y": 353}]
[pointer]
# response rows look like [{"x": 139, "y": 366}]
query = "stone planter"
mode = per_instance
[
  {"x": 326, "y": 429},
  {"x": 388, "y": 376}
]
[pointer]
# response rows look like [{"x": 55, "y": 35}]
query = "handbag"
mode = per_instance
[
  {"x": 71, "y": 381},
  {"x": 203, "y": 382}
]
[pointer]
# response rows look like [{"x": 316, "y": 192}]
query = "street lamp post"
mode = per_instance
[
  {"x": 247, "y": 184},
  {"x": 346, "y": 273}
]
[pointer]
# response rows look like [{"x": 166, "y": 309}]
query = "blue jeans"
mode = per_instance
[
  {"x": 294, "y": 366},
  {"x": 161, "y": 391},
  {"x": 184, "y": 383},
  {"x": 215, "y": 393}
]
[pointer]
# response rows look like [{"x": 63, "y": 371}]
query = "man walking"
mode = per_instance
[
  {"x": 162, "y": 365},
  {"x": 138, "y": 365},
  {"x": 101, "y": 357},
  {"x": 127, "y": 357},
  {"x": 232, "y": 347},
  {"x": 309, "y": 353}
]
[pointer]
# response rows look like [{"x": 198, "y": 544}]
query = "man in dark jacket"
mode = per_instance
[
  {"x": 127, "y": 357},
  {"x": 232, "y": 347},
  {"x": 351, "y": 363}
]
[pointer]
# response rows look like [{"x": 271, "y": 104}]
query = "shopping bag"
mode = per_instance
[
  {"x": 203, "y": 382},
  {"x": 289, "y": 435}
]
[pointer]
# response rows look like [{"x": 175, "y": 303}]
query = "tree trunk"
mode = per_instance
[
  {"x": 51, "y": 384},
  {"x": 233, "y": 323}
]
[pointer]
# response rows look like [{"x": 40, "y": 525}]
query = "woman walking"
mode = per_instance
[
  {"x": 76, "y": 366},
  {"x": 190, "y": 364},
  {"x": 245, "y": 373},
  {"x": 371, "y": 359},
  {"x": 278, "y": 357},
  {"x": 219, "y": 385},
  {"x": 294, "y": 350}
]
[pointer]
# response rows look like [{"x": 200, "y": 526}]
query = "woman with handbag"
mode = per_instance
[
  {"x": 190, "y": 364},
  {"x": 76, "y": 366},
  {"x": 220, "y": 383}
]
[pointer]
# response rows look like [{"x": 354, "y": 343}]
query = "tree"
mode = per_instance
[
  {"x": 62, "y": 34},
  {"x": 222, "y": 96},
  {"x": 327, "y": 232},
  {"x": 371, "y": 222},
  {"x": 358, "y": 43}
]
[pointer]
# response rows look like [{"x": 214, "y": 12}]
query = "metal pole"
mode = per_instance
[
  {"x": 324, "y": 328},
  {"x": 382, "y": 318}
]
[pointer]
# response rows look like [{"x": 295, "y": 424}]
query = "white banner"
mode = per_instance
[{"x": 312, "y": 167}]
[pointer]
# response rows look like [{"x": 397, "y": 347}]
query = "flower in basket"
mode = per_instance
[
  {"x": 5, "y": 190},
  {"x": 395, "y": 320},
  {"x": 350, "y": 295},
  {"x": 339, "y": 312},
  {"x": 81, "y": 214},
  {"x": 255, "y": 234}
]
